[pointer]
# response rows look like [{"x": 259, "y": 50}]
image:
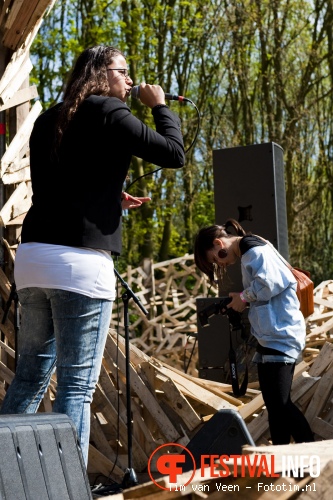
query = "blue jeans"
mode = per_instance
[{"x": 65, "y": 331}]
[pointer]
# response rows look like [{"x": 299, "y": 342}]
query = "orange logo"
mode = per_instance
[{"x": 170, "y": 465}]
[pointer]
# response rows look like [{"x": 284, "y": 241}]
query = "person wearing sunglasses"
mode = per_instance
[
  {"x": 80, "y": 152},
  {"x": 274, "y": 315}
]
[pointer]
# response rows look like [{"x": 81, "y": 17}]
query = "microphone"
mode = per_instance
[{"x": 135, "y": 92}]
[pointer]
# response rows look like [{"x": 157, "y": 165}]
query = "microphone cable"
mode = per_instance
[
  {"x": 186, "y": 151},
  {"x": 186, "y": 366}
]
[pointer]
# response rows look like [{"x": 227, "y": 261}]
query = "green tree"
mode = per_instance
[{"x": 257, "y": 71}]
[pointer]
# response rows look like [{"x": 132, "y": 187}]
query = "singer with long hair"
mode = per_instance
[
  {"x": 80, "y": 152},
  {"x": 276, "y": 320}
]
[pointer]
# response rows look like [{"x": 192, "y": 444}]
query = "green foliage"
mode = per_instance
[{"x": 258, "y": 71}]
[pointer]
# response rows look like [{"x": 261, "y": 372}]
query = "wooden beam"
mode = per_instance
[
  {"x": 147, "y": 398},
  {"x": 21, "y": 138},
  {"x": 20, "y": 97},
  {"x": 7, "y": 210},
  {"x": 13, "y": 13},
  {"x": 4, "y": 11},
  {"x": 22, "y": 175},
  {"x": 11, "y": 82},
  {"x": 324, "y": 389},
  {"x": 100, "y": 463},
  {"x": 20, "y": 23}
]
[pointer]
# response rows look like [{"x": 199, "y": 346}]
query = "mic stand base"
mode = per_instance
[{"x": 130, "y": 479}]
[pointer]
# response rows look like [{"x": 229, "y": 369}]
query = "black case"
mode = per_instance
[
  {"x": 40, "y": 458},
  {"x": 223, "y": 434}
]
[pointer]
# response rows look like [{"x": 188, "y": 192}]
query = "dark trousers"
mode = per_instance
[{"x": 285, "y": 419}]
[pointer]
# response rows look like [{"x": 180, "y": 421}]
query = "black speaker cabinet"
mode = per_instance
[
  {"x": 224, "y": 434},
  {"x": 40, "y": 459},
  {"x": 249, "y": 186},
  {"x": 214, "y": 341}
]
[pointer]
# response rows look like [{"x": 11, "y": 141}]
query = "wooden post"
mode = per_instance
[{"x": 4, "y": 57}]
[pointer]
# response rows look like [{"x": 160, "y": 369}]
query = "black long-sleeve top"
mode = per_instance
[{"x": 77, "y": 193}]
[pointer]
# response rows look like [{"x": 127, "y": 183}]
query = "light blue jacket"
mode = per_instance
[{"x": 274, "y": 314}]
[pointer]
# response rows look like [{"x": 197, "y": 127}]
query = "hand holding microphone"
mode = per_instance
[
  {"x": 139, "y": 92},
  {"x": 150, "y": 95},
  {"x": 153, "y": 95}
]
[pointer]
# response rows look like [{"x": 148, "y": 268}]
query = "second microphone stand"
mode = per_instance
[{"x": 130, "y": 478}]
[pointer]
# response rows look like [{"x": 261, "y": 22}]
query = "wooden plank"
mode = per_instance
[
  {"x": 302, "y": 385},
  {"x": 21, "y": 137},
  {"x": 150, "y": 490},
  {"x": 180, "y": 405},
  {"x": 2, "y": 393},
  {"x": 21, "y": 25},
  {"x": 23, "y": 205},
  {"x": 315, "y": 317},
  {"x": 7, "y": 329},
  {"x": 22, "y": 175},
  {"x": 320, "y": 329},
  {"x": 41, "y": 10},
  {"x": 300, "y": 368},
  {"x": 322, "y": 428},
  {"x": 3, "y": 10},
  {"x": 143, "y": 430},
  {"x": 324, "y": 359},
  {"x": 97, "y": 436},
  {"x": 111, "y": 391},
  {"x": 327, "y": 302},
  {"x": 324, "y": 389},
  {"x": 12, "y": 85},
  {"x": 101, "y": 402},
  {"x": 140, "y": 425},
  {"x": 217, "y": 388},
  {"x": 13, "y": 13},
  {"x": 5, "y": 286},
  {"x": 20, "y": 164},
  {"x": 196, "y": 392},
  {"x": 320, "y": 488},
  {"x": 11, "y": 69},
  {"x": 20, "y": 97},
  {"x": 147, "y": 398},
  {"x": 253, "y": 406},
  {"x": 6, "y": 373},
  {"x": 7, "y": 349},
  {"x": 142, "y": 421},
  {"x": 101, "y": 462},
  {"x": 17, "y": 221},
  {"x": 303, "y": 401},
  {"x": 7, "y": 210},
  {"x": 137, "y": 356}
]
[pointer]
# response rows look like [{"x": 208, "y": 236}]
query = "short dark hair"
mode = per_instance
[{"x": 204, "y": 241}]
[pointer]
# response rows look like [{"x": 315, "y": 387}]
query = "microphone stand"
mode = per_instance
[{"x": 130, "y": 478}]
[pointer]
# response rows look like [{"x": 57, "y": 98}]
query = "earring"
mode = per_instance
[{"x": 222, "y": 253}]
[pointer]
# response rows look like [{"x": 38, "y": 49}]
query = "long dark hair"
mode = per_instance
[
  {"x": 204, "y": 242},
  {"x": 88, "y": 77}
]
